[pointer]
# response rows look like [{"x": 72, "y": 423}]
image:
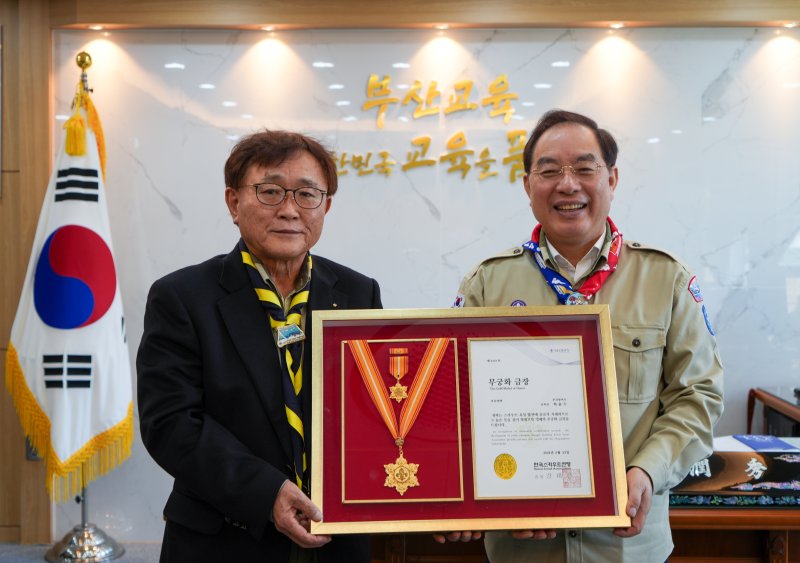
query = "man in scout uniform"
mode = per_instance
[{"x": 669, "y": 374}]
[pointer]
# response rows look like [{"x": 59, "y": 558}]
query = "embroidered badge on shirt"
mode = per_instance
[
  {"x": 288, "y": 334},
  {"x": 708, "y": 321},
  {"x": 518, "y": 303},
  {"x": 459, "y": 302},
  {"x": 694, "y": 289}
]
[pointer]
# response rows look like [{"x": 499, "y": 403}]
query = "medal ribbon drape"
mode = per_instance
[
  {"x": 291, "y": 357},
  {"x": 566, "y": 294},
  {"x": 400, "y": 475}
]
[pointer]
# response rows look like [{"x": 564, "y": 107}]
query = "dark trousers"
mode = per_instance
[{"x": 231, "y": 544}]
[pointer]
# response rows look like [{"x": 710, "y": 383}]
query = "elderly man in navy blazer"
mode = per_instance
[{"x": 224, "y": 366}]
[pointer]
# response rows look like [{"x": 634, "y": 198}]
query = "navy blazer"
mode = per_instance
[{"x": 210, "y": 398}]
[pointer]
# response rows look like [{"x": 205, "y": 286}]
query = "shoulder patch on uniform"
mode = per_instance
[
  {"x": 708, "y": 321},
  {"x": 459, "y": 302},
  {"x": 694, "y": 289}
]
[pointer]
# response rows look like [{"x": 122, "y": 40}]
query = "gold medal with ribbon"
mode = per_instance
[
  {"x": 398, "y": 367},
  {"x": 400, "y": 475}
]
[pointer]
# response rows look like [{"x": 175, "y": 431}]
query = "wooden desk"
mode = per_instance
[
  {"x": 735, "y": 534},
  {"x": 420, "y": 548},
  {"x": 743, "y": 535},
  {"x": 780, "y": 399}
]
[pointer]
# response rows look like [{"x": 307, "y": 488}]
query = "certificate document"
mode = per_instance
[{"x": 530, "y": 431}]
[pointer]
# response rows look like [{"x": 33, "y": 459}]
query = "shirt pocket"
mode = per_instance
[{"x": 638, "y": 351}]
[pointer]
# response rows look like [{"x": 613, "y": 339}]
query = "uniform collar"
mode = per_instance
[
  {"x": 586, "y": 265},
  {"x": 302, "y": 278}
]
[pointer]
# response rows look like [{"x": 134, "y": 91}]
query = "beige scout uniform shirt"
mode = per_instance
[{"x": 669, "y": 378}]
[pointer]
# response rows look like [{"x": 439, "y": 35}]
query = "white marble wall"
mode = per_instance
[{"x": 708, "y": 122}]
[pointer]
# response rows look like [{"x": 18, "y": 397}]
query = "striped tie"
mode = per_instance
[{"x": 291, "y": 357}]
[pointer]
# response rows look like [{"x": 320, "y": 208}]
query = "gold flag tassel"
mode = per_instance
[
  {"x": 76, "y": 126},
  {"x": 97, "y": 129}
]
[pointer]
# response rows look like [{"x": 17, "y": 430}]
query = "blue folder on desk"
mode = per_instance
[{"x": 765, "y": 443}]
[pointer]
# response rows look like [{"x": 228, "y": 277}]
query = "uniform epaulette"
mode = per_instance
[
  {"x": 508, "y": 253},
  {"x": 636, "y": 245}
]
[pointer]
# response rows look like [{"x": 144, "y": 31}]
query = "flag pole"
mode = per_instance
[{"x": 86, "y": 542}]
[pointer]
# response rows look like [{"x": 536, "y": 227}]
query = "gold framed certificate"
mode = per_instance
[
  {"x": 530, "y": 425},
  {"x": 465, "y": 419}
]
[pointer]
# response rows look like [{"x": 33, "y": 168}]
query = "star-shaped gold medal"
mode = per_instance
[
  {"x": 398, "y": 392},
  {"x": 401, "y": 475}
]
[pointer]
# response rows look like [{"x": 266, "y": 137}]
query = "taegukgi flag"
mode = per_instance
[{"x": 67, "y": 367}]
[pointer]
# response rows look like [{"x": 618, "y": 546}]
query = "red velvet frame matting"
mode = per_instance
[{"x": 356, "y": 443}]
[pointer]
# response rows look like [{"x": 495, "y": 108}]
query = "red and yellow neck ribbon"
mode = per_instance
[
  {"x": 398, "y": 362},
  {"x": 563, "y": 289},
  {"x": 419, "y": 388}
]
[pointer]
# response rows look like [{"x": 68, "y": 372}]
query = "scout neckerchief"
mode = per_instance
[
  {"x": 400, "y": 475},
  {"x": 560, "y": 285},
  {"x": 286, "y": 324}
]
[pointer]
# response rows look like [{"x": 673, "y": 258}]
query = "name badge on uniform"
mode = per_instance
[{"x": 288, "y": 334}]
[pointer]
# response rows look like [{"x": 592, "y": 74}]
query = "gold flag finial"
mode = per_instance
[
  {"x": 83, "y": 60},
  {"x": 76, "y": 126}
]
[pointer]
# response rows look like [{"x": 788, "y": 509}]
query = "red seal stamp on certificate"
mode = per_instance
[{"x": 571, "y": 478}]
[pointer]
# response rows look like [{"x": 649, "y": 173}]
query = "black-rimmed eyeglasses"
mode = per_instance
[{"x": 273, "y": 194}]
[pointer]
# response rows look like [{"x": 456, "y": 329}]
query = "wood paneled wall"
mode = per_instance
[
  {"x": 416, "y": 13},
  {"x": 24, "y": 507},
  {"x": 26, "y": 111}
]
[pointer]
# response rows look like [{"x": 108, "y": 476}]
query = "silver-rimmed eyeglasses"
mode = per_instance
[
  {"x": 584, "y": 171},
  {"x": 274, "y": 194}
]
